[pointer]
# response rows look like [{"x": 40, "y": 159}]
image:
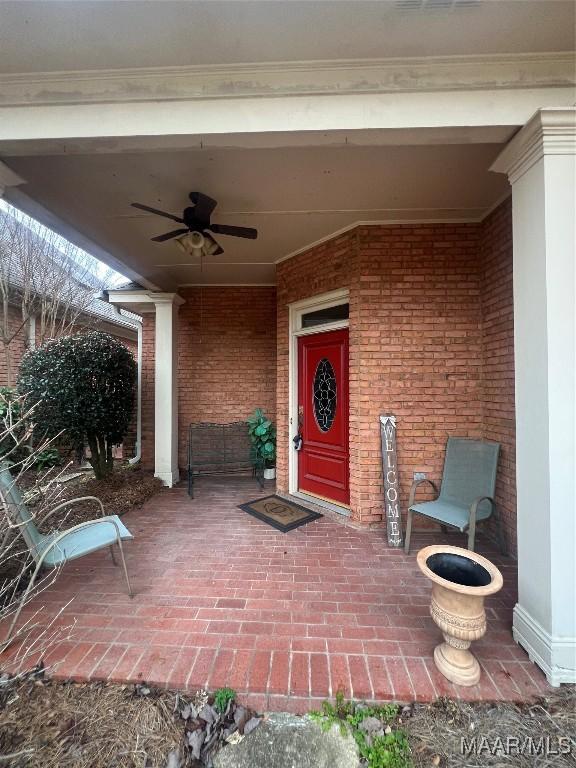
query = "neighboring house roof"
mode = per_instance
[
  {"x": 96, "y": 309},
  {"x": 126, "y": 287},
  {"x": 107, "y": 312}
]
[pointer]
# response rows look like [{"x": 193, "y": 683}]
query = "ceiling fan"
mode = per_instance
[{"x": 194, "y": 238}]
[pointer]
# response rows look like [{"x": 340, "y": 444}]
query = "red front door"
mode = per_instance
[{"x": 323, "y": 415}]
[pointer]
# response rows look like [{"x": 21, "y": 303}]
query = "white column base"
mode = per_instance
[
  {"x": 556, "y": 656},
  {"x": 170, "y": 479}
]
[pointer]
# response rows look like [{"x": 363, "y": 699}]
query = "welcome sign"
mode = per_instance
[{"x": 391, "y": 482}]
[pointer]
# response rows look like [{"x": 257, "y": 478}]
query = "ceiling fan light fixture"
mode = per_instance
[
  {"x": 211, "y": 247},
  {"x": 192, "y": 243}
]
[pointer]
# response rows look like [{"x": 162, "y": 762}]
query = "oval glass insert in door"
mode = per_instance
[{"x": 324, "y": 395}]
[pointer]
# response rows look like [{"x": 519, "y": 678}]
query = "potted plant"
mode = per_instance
[
  {"x": 461, "y": 580},
  {"x": 263, "y": 435}
]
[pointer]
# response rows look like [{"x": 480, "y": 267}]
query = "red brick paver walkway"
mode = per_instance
[{"x": 288, "y": 619}]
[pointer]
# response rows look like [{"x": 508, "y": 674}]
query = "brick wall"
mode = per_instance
[
  {"x": 498, "y": 357},
  {"x": 16, "y": 348},
  {"x": 431, "y": 341},
  {"x": 227, "y": 355},
  {"x": 419, "y": 344},
  {"x": 415, "y": 345}
]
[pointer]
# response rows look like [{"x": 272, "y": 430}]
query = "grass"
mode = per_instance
[
  {"x": 384, "y": 744},
  {"x": 222, "y": 697}
]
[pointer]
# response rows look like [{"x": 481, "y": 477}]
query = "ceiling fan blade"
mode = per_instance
[
  {"x": 204, "y": 206},
  {"x": 147, "y": 208},
  {"x": 214, "y": 244},
  {"x": 227, "y": 229},
  {"x": 169, "y": 235}
]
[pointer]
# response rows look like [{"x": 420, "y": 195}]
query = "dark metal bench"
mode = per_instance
[{"x": 221, "y": 449}]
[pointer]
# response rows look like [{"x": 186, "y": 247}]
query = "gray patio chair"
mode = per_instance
[
  {"x": 467, "y": 491},
  {"x": 55, "y": 549}
]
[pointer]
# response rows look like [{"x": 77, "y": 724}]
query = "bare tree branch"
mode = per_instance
[
  {"x": 16, "y": 561},
  {"x": 42, "y": 276}
]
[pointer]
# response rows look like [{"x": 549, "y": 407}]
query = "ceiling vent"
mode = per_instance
[{"x": 435, "y": 5}]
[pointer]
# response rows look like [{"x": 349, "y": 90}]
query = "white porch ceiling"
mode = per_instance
[
  {"x": 83, "y": 35},
  {"x": 294, "y": 196},
  {"x": 300, "y": 118}
]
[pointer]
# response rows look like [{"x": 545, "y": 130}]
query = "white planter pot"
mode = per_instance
[{"x": 270, "y": 473}]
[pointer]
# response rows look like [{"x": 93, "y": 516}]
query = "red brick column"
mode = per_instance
[
  {"x": 498, "y": 397},
  {"x": 148, "y": 339}
]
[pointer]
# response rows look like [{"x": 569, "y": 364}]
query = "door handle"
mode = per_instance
[{"x": 297, "y": 440}]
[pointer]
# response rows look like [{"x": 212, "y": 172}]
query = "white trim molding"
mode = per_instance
[
  {"x": 295, "y": 311},
  {"x": 541, "y": 164},
  {"x": 434, "y": 219},
  {"x": 279, "y": 79},
  {"x": 554, "y": 655}
]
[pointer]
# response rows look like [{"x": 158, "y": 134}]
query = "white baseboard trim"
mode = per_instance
[
  {"x": 556, "y": 656},
  {"x": 168, "y": 478}
]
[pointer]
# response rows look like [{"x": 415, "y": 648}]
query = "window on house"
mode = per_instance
[{"x": 323, "y": 316}]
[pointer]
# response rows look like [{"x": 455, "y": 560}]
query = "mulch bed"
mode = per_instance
[
  {"x": 95, "y": 725},
  {"x": 457, "y": 734},
  {"x": 127, "y": 488},
  {"x": 46, "y": 724}
]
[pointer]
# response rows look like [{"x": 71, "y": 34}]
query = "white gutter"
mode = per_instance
[
  {"x": 138, "y": 454},
  {"x": 103, "y": 296}
]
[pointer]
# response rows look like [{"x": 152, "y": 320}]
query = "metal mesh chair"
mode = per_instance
[
  {"x": 467, "y": 492},
  {"x": 53, "y": 550}
]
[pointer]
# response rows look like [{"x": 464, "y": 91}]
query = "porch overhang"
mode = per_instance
[
  {"x": 370, "y": 139},
  {"x": 141, "y": 301},
  {"x": 302, "y": 150}
]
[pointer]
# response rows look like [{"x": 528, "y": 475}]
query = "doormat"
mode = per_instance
[{"x": 279, "y": 513}]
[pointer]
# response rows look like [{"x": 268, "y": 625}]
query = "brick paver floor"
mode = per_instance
[{"x": 285, "y": 619}]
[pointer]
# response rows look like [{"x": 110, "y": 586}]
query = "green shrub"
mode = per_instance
[
  {"x": 84, "y": 385},
  {"x": 263, "y": 436},
  {"x": 49, "y": 457}
]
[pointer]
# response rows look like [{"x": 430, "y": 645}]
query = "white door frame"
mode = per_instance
[{"x": 295, "y": 312}]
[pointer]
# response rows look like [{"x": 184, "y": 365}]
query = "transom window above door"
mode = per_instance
[{"x": 325, "y": 315}]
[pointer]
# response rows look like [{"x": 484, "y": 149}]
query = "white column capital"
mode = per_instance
[
  {"x": 166, "y": 298},
  {"x": 550, "y": 131}
]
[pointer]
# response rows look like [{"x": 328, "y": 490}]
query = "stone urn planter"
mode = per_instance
[{"x": 461, "y": 580}]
